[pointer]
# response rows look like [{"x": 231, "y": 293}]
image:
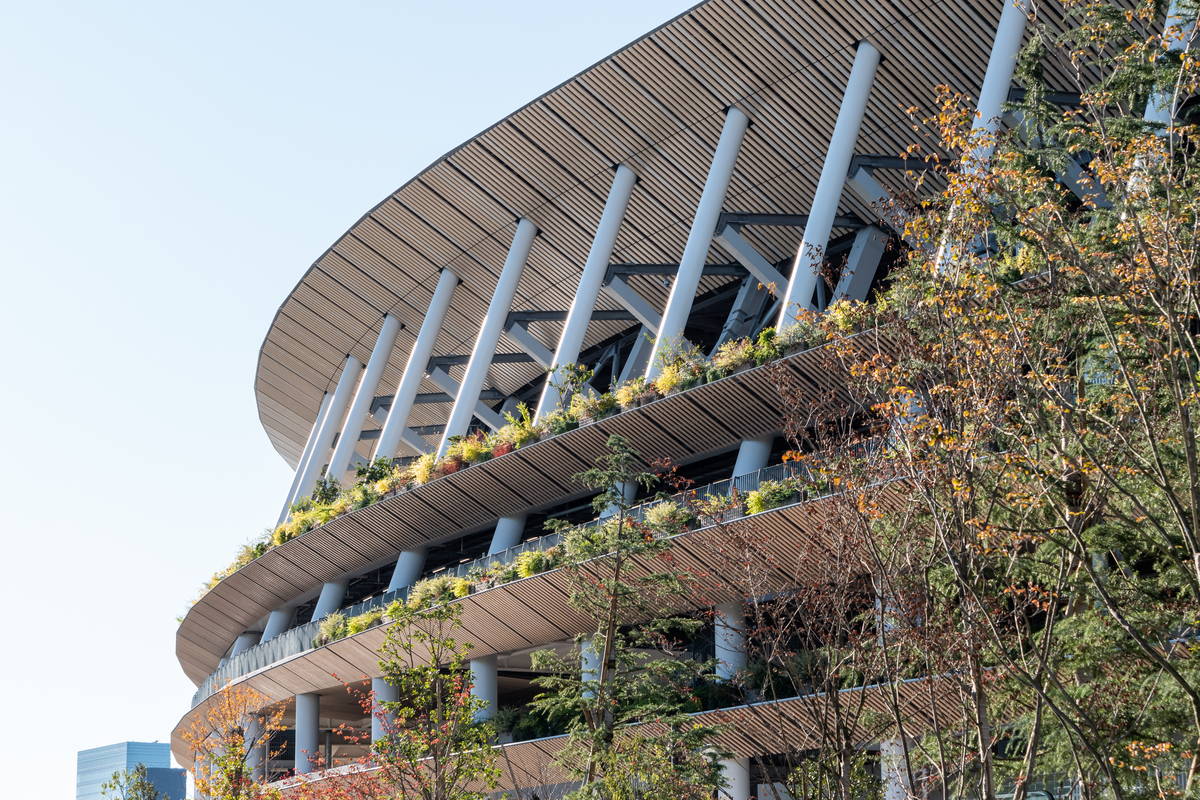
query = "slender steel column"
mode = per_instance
[
  {"x": 384, "y": 693},
  {"x": 753, "y": 455},
  {"x": 729, "y": 627},
  {"x": 408, "y": 568},
  {"x": 331, "y": 597},
  {"x": 410, "y": 383},
  {"x": 308, "y": 732},
  {"x": 737, "y": 774},
  {"x": 304, "y": 458},
  {"x": 489, "y": 334},
  {"x": 278, "y": 622},
  {"x": 575, "y": 328},
  {"x": 364, "y": 396},
  {"x": 829, "y": 188},
  {"x": 329, "y": 426},
  {"x": 891, "y": 767},
  {"x": 997, "y": 80},
  {"x": 704, "y": 225}
]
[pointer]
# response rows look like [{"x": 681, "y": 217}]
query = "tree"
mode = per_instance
[
  {"x": 130, "y": 784},
  {"x": 628, "y": 673},
  {"x": 237, "y": 722}
]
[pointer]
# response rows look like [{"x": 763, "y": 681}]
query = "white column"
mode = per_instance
[
  {"x": 639, "y": 355},
  {"x": 414, "y": 370},
  {"x": 507, "y": 534},
  {"x": 384, "y": 693},
  {"x": 364, "y": 396},
  {"x": 753, "y": 455},
  {"x": 408, "y": 568},
  {"x": 483, "y": 684},
  {"x": 489, "y": 334},
  {"x": 997, "y": 80},
  {"x": 591, "y": 661},
  {"x": 575, "y": 328},
  {"x": 331, "y": 597},
  {"x": 308, "y": 732},
  {"x": 736, "y": 772},
  {"x": 892, "y": 771},
  {"x": 729, "y": 625},
  {"x": 278, "y": 622},
  {"x": 829, "y": 188},
  {"x": 704, "y": 225},
  {"x": 245, "y": 642},
  {"x": 1158, "y": 108},
  {"x": 254, "y": 750},
  {"x": 304, "y": 458},
  {"x": 330, "y": 425}
]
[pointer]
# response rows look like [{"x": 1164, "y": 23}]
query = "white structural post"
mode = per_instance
[
  {"x": 753, "y": 455},
  {"x": 806, "y": 268},
  {"x": 331, "y": 597},
  {"x": 384, "y": 693},
  {"x": 730, "y": 628},
  {"x": 507, "y": 534},
  {"x": 489, "y": 334},
  {"x": 575, "y": 328},
  {"x": 997, "y": 80},
  {"x": 891, "y": 767},
  {"x": 304, "y": 458},
  {"x": 736, "y": 772},
  {"x": 364, "y": 396},
  {"x": 704, "y": 225},
  {"x": 245, "y": 642},
  {"x": 591, "y": 657},
  {"x": 308, "y": 732},
  {"x": 330, "y": 425},
  {"x": 278, "y": 621},
  {"x": 483, "y": 685},
  {"x": 254, "y": 750},
  {"x": 410, "y": 383},
  {"x": 408, "y": 568}
]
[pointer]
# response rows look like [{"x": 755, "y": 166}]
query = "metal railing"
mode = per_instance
[{"x": 299, "y": 639}]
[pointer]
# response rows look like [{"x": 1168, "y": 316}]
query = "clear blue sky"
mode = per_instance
[{"x": 167, "y": 172}]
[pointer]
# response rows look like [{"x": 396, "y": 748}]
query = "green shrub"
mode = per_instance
[
  {"x": 531, "y": 562},
  {"x": 332, "y": 628},
  {"x": 768, "y": 495},
  {"x": 462, "y": 587},
  {"x": 365, "y": 620},
  {"x": 431, "y": 591},
  {"x": 669, "y": 518},
  {"x": 766, "y": 349},
  {"x": 732, "y": 355}
]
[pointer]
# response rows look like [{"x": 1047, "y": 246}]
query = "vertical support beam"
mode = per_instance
[
  {"x": 483, "y": 685},
  {"x": 365, "y": 395},
  {"x": 997, "y": 80},
  {"x": 806, "y": 269},
  {"x": 866, "y": 253},
  {"x": 254, "y": 750},
  {"x": 245, "y": 642},
  {"x": 591, "y": 656},
  {"x": 753, "y": 455},
  {"x": 381, "y": 719},
  {"x": 729, "y": 625},
  {"x": 410, "y": 383},
  {"x": 1159, "y": 106},
  {"x": 489, "y": 334},
  {"x": 507, "y": 534},
  {"x": 308, "y": 732},
  {"x": 746, "y": 307},
  {"x": 331, "y": 597},
  {"x": 704, "y": 225},
  {"x": 279, "y": 621},
  {"x": 329, "y": 427},
  {"x": 639, "y": 355},
  {"x": 304, "y": 458},
  {"x": 736, "y": 772},
  {"x": 570, "y": 342},
  {"x": 891, "y": 768},
  {"x": 408, "y": 568}
]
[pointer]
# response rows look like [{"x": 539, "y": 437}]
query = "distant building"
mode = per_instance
[{"x": 97, "y": 766}]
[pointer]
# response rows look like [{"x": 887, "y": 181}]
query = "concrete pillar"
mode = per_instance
[
  {"x": 329, "y": 426},
  {"x": 364, "y": 396},
  {"x": 753, "y": 455},
  {"x": 489, "y": 334},
  {"x": 870, "y": 243},
  {"x": 245, "y": 642},
  {"x": 639, "y": 355},
  {"x": 507, "y": 534},
  {"x": 384, "y": 693},
  {"x": 254, "y": 750},
  {"x": 729, "y": 623},
  {"x": 704, "y": 225},
  {"x": 591, "y": 657},
  {"x": 278, "y": 622},
  {"x": 408, "y": 568},
  {"x": 997, "y": 80},
  {"x": 410, "y": 383},
  {"x": 805, "y": 270},
  {"x": 1158, "y": 107},
  {"x": 736, "y": 772},
  {"x": 483, "y": 685},
  {"x": 891, "y": 770},
  {"x": 331, "y": 597},
  {"x": 308, "y": 732},
  {"x": 304, "y": 458},
  {"x": 570, "y": 342}
]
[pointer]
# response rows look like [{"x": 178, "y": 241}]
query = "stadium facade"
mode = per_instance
[{"x": 660, "y": 194}]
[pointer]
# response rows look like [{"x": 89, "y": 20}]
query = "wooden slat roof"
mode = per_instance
[{"x": 656, "y": 105}]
